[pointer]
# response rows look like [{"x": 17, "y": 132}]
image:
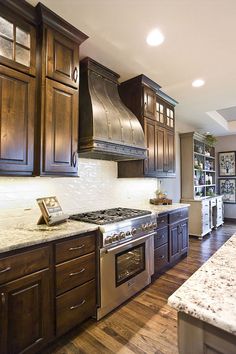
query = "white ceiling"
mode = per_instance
[
  {"x": 199, "y": 43},
  {"x": 228, "y": 113}
]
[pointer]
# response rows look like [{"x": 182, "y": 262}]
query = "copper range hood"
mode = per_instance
[{"x": 108, "y": 130}]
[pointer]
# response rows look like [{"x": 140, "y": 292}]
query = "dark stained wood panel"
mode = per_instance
[
  {"x": 28, "y": 314},
  {"x": 145, "y": 324},
  {"x": 149, "y": 130},
  {"x": 61, "y": 129},
  {"x": 170, "y": 152},
  {"x": 160, "y": 149},
  {"x": 17, "y": 114},
  {"x": 62, "y": 59}
]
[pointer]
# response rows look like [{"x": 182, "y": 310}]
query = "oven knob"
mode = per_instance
[
  {"x": 115, "y": 238},
  {"x": 154, "y": 224},
  {"x": 121, "y": 235},
  {"x": 133, "y": 231},
  {"x": 128, "y": 233},
  {"x": 108, "y": 240},
  {"x": 150, "y": 226}
]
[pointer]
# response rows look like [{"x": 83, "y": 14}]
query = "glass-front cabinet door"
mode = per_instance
[
  {"x": 17, "y": 45},
  {"x": 129, "y": 263}
]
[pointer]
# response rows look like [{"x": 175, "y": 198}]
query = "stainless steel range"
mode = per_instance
[{"x": 126, "y": 253}]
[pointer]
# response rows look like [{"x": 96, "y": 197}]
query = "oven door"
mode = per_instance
[{"x": 124, "y": 270}]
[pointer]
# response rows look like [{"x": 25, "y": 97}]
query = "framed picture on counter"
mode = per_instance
[
  {"x": 227, "y": 164},
  {"x": 227, "y": 188}
]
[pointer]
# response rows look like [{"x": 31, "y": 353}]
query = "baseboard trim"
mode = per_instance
[{"x": 232, "y": 220}]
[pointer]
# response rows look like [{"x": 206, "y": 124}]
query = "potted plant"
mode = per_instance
[{"x": 210, "y": 140}]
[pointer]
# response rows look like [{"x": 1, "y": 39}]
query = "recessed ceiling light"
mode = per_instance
[
  {"x": 198, "y": 83},
  {"x": 155, "y": 37}
]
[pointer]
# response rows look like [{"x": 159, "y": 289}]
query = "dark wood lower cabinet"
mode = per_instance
[
  {"x": 171, "y": 241},
  {"x": 26, "y": 314},
  {"x": 39, "y": 299},
  {"x": 178, "y": 239}
]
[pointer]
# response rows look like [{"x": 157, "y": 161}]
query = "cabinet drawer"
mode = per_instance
[
  {"x": 75, "y": 272},
  {"x": 178, "y": 215},
  {"x": 160, "y": 257},
  {"x": 162, "y": 221},
  {"x": 75, "y": 306},
  {"x": 161, "y": 237},
  {"x": 24, "y": 263},
  {"x": 74, "y": 248}
]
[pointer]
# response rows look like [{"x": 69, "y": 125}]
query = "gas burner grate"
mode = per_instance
[{"x": 109, "y": 216}]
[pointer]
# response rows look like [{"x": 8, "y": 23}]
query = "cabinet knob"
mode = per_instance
[
  {"x": 74, "y": 159},
  {"x": 75, "y": 74}
]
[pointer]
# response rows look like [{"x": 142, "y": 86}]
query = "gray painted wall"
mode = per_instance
[{"x": 226, "y": 143}]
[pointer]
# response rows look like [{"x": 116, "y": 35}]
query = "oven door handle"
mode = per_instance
[{"x": 109, "y": 250}]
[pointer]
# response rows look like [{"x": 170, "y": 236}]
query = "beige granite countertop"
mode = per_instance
[
  {"x": 210, "y": 293},
  {"x": 23, "y": 235}
]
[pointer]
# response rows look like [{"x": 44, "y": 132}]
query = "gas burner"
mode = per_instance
[{"x": 109, "y": 216}]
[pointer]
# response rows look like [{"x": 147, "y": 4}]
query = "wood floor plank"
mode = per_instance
[{"x": 145, "y": 324}]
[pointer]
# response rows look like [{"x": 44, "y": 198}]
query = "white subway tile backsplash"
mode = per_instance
[{"x": 96, "y": 187}]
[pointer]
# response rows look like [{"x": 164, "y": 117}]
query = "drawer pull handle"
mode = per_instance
[
  {"x": 76, "y": 248},
  {"x": 162, "y": 220},
  {"x": 162, "y": 257},
  {"x": 76, "y": 306},
  {"x": 5, "y": 270},
  {"x": 76, "y": 273},
  {"x": 75, "y": 74},
  {"x": 160, "y": 237}
]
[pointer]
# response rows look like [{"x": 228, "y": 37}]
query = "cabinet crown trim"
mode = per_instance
[{"x": 48, "y": 17}]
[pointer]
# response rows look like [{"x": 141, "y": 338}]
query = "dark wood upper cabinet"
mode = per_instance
[
  {"x": 155, "y": 111},
  {"x": 17, "y": 114},
  {"x": 26, "y": 314},
  {"x": 61, "y": 129},
  {"x": 62, "y": 59},
  {"x": 149, "y": 102},
  {"x": 58, "y": 106},
  {"x": 149, "y": 131}
]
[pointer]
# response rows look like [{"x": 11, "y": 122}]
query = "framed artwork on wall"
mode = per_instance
[
  {"x": 227, "y": 164},
  {"x": 227, "y": 188}
]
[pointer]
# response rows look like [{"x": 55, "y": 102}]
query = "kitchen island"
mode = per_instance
[{"x": 206, "y": 305}]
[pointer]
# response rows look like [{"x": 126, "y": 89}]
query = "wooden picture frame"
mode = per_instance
[
  {"x": 226, "y": 163},
  {"x": 51, "y": 210},
  {"x": 227, "y": 188}
]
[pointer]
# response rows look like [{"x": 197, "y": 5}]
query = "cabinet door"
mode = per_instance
[
  {"x": 174, "y": 242},
  {"x": 184, "y": 239},
  {"x": 169, "y": 152},
  {"x": 61, "y": 129},
  {"x": 160, "y": 149},
  {"x": 26, "y": 314},
  {"x": 17, "y": 43},
  {"x": 62, "y": 59},
  {"x": 150, "y": 162},
  {"x": 149, "y": 104},
  {"x": 17, "y": 111}
]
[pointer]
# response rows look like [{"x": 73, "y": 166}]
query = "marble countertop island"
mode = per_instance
[{"x": 210, "y": 293}]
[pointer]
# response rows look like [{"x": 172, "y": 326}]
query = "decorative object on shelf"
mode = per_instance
[
  {"x": 51, "y": 210},
  {"x": 210, "y": 140},
  {"x": 227, "y": 188},
  {"x": 161, "y": 201},
  {"x": 227, "y": 164}
]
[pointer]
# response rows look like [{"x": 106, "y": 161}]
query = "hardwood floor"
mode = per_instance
[{"x": 145, "y": 324}]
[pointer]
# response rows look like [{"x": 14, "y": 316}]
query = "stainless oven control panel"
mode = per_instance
[{"x": 129, "y": 231}]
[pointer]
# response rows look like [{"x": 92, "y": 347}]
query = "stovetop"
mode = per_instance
[{"x": 109, "y": 216}]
